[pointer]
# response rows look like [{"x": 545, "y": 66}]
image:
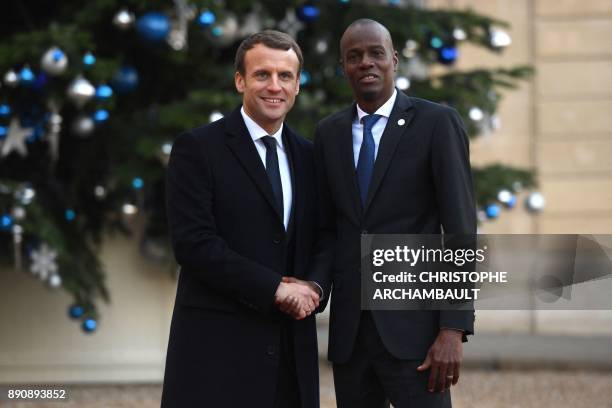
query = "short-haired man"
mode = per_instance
[
  {"x": 389, "y": 164},
  {"x": 240, "y": 208}
]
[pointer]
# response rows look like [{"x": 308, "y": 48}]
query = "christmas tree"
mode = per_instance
[{"x": 92, "y": 96}]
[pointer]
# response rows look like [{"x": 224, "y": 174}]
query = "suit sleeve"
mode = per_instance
[
  {"x": 324, "y": 249},
  {"x": 455, "y": 196},
  {"x": 198, "y": 248}
]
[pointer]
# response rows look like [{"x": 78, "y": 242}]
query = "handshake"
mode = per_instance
[{"x": 296, "y": 297}]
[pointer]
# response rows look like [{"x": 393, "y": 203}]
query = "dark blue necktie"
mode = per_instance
[
  {"x": 365, "y": 163},
  {"x": 273, "y": 170}
]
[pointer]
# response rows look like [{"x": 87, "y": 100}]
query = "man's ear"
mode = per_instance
[
  {"x": 297, "y": 86},
  {"x": 395, "y": 61},
  {"x": 239, "y": 82}
]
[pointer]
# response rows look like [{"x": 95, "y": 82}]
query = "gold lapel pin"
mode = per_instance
[{"x": 401, "y": 122}]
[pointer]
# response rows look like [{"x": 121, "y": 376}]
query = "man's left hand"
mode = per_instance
[{"x": 444, "y": 358}]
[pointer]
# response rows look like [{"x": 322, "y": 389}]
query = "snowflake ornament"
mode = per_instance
[{"x": 43, "y": 262}]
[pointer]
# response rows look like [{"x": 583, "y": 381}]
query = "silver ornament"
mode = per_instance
[
  {"x": 321, "y": 46},
  {"x": 16, "y": 139},
  {"x": 100, "y": 192},
  {"x": 402, "y": 83},
  {"x": 80, "y": 91},
  {"x": 416, "y": 69},
  {"x": 476, "y": 114},
  {"x": 54, "y": 61},
  {"x": 410, "y": 48},
  {"x": 499, "y": 38},
  {"x": 459, "y": 34},
  {"x": 225, "y": 32},
  {"x": 11, "y": 79},
  {"x": 290, "y": 24},
  {"x": 55, "y": 281},
  {"x": 18, "y": 213},
  {"x": 535, "y": 202},
  {"x": 25, "y": 194},
  {"x": 43, "y": 262},
  {"x": 129, "y": 209},
  {"x": 123, "y": 19},
  {"x": 251, "y": 24},
  {"x": 83, "y": 125},
  {"x": 215, "y": 116}
]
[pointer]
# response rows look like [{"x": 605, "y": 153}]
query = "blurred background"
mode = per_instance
[{"x": 92, "y": 95}]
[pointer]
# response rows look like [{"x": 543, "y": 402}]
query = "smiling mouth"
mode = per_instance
[
  {"x": 368, "y": 78},
  {"x": 273, "y": 100}
]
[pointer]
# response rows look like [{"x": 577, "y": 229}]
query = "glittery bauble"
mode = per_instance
[{"x": 54, "y": 61}]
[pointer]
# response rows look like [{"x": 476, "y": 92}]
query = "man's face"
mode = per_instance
[
  {"x": 269, "y": 85},
  {"x": 369, "y": 63}
]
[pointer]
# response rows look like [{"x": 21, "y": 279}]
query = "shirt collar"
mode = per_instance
[
  {"x": 384, "y": 110},
  {"x": 257, "y": 132}
]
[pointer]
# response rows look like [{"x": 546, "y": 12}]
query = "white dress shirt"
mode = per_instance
[
  {"x": 257, "y": 132},
  {"x": 377, "y": 129}
]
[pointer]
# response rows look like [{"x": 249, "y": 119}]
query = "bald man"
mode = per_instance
[{"x": 389, "y": 164}]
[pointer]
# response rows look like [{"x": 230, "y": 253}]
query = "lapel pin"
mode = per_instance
[{"x": 401, "y": 122}]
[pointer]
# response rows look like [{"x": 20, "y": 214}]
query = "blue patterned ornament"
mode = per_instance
[
  {"x": 492, "y": 211},
  {"x": 206, "y": 18},
  {"x": 126, "y": 79},
  {"x": 153, "y": 26},
  {"x": 76, "y": 311},
  {"x": 308, "y": 13},
  {"x": 89, "y": 325},
  {"x": 54, "y": 61}
]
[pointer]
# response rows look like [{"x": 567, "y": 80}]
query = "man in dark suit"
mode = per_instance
[
  {"x": 389, "y": 164},
  {"x": 241, "y": 205}
]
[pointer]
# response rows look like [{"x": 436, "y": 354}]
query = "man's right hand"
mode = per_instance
[{"x": 296, "y": 298}]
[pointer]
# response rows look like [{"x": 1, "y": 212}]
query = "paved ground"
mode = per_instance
[{"x": 477, "y": 389}]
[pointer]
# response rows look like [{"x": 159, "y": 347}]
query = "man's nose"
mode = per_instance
[
  {"x": 274, "y": 84},
  {"x": 366, "y": 62}
]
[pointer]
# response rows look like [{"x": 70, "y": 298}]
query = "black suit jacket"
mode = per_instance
[
  {"x": 421, "y": 183},
  {"x": 233, "y": 249}
]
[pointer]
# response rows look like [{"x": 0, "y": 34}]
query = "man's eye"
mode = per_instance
[
  {"x": 261, "y": 75},
  {"x": 286, "y": 76}
]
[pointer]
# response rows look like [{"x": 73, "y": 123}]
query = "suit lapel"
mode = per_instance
[
  {"x": 241, "y": 144},
  {"x": 401, "y": 116},
  {"x": 347, "y": 158}
]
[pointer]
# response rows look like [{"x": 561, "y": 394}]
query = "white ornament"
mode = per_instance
[
  {"x": 11, "y": 79},
  {"x": 43, "y": 262},
  {"x": 16, "y": 139},
  {"x": 290, "y": 24},
  {"x": 123, "y": 19},
  {"x": 459, "y": 34},
  {"x": 80, "y": 91},
  {"x": 535, "y": 202},
  {"x": 54, "y": 61},
  {"x": 55, "y": 281},
  {"x": 215, "y": 116},
  {"x": 499, "y": 38},
  {"x": 83, "y": 125},
  {"x": 402, "y": 83},
  {"x": 476, "y": 114}
]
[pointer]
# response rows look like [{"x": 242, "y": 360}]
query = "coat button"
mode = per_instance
[
  {"x": 270, "y": 351},
  {"x": 364, "y": 232},
  {"x": 277, "y": 239}
]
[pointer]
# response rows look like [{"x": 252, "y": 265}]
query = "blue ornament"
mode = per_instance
[
  {"x": 3, "y": 132},
  {"x": 104, "y": 92},
  {"x": 308, "y": 13},
  {"x": 137, "y": 183},
  {"x": 26, "y": 76},
  {"x": 206, "y": 18},
  {"x": 436, "y": 42},
  {"x": 6, "y": 222},
  {"x": 448, "y": 55},
  {"x": 70, "y": 214},
  {"x": 89, "y": 59},
  {"x": 394, "y": 2},
  {"x": 5, "y": 111},
  {"x": 511, "y": 202},
  {"x": 492, "y": 211},
  {"x": 101, "y": 115},
  {"x": 217, "y": 31},
  {"x": 89, "y": 325},
  {"x": 37, "y": 133},
  {"x": 153, "y": 26},
  {"x": 304, "y": 77},
  {"x": 41, "y": 81},
  {"x": 126, "y": 79},
  {"x": 76, "y": 311}
]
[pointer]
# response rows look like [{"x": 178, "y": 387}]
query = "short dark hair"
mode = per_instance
[{"x": 270, "y": 38}]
